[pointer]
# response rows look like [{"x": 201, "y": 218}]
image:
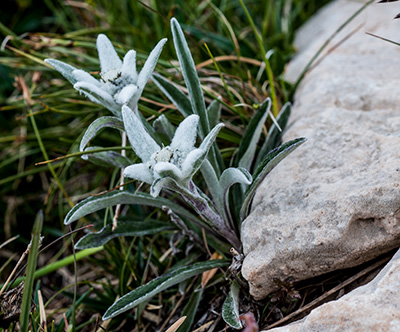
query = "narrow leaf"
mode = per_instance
[
  {"x": 190, "y": 311},
  {"x": 230, "y": 308},
  {"x": 214, "y": 112},
  {"x": 163, "y": 126},
  {"x": 106, "y": 158},
  {"x": 190, "y": 76},
  {"x": 30, "y": 273},
  {"x": 99, "y": 124},
  {"x": 174, "y": 94},
  {"x": 155, "y": 286},
  {"x": 274, "y": 134},
  {"x": 248, "y": 144},
  {"x": 124, "y": 228},
  {"x": 272, "y": 159},
  {"x": 95, "y": 203}
]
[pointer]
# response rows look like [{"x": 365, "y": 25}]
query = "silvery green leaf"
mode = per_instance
[
  {"x": 230, "y": 308},
  {"x": 190, "y": 76},
  {"x": 162, "y": 125},
  {"x": 212, "y": 182},
  {"x": 97, "y": 125},
  {"x": 211, "y": 137},
  {"x": 106, "y": 158},
  {"x": 96, "y": 203},
  {"x": 229, "y": 177},
  {"x": 274, "y": 133},
  {"x": 214, "y": 112},
  {"x": 109, "y": 59},
  {"x": 98, "y": 96},
  {"x": 265, "y": 167},
  {"x": 174, "y": 94},
  {"x": 124, "y": 228},
  {"x": 248, "y": 144},
  {"x": 185, "y": 135},
  {"x": 214, "y": 115},
  {"x": 150, "y": 63},
  {"x": 140, "y": 172},
  {"x": 63, "y": 68},
  {"x": 155, "y": 286},
  {"x": 141, "y": 141},
  {"x": 193, "y": 162}
]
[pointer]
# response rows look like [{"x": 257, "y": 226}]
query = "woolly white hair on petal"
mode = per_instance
[{"x": 109, "y": 59}]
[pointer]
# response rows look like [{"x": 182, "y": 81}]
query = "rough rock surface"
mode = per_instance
[
  {"x": 335, "y": 202},
  {"x": 372, "y": 307}
]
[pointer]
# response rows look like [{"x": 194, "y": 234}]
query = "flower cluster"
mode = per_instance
[{"x": 120, "y": 83}]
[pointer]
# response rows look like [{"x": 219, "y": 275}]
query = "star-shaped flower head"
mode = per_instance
[
  {"x": 120, "y": 84},
  {"x": 178, "y": 161}
]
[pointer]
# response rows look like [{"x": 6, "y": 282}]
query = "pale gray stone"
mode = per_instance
[
  {"x": 335, "y": 202},
  {"x": 373, "y": 307}
]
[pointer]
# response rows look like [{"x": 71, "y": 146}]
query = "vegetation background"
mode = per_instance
[{"x": 34, "y": 95}]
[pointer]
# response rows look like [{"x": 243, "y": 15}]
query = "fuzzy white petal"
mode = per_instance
[
  {"x": 109, "y": 59},
  {"x": 125, "y": 95},
  {"x": 128, "y": 69},
  {"x": 99, "y": 96},
  {"x": 141, "y": 141},
  {"x": 185, "y": 134},
  {"x": 139, "y": 172},
  {"x": 63, "y": 68},
  {"x": 150, "y": 64},
  {"x": 164, "y": 169},
  {"x": 82, "y": 76}
]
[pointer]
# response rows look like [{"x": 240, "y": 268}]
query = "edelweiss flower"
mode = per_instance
[
  {"x": 120, "y": 84},
  {"x": 179, "y": 161}
]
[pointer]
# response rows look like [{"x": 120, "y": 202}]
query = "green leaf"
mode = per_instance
[
  {"x": 274, "y": 134},
  {"x": 163, "y": 126},
  {"x": 155, "y": 286},
  {"x": 95, "y": 203},
  {"x": 124, "y": 228},
  {"x": 190, "y": 311},
  {"x": 190, "y": 76},
  {"x": 230, "y": 308},
  {"x": 272, "y": 159},
  {"x": 106, "y": 158},
  {"x": 30, "y": 273},
  {"x": 248, "y": 144},
  {"x": 214, "y": 112},
  {"x": 99, "y": 124},
  {"x": 214, "y": 115},
  {"x": 174, "y": 94}
]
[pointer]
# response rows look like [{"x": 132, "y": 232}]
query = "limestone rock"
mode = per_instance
[
  {"x": 335, "y": 202},
  {"x": 373, "y": 307}
]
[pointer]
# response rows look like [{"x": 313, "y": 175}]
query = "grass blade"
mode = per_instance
[{"x": 30, "y": 273}]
